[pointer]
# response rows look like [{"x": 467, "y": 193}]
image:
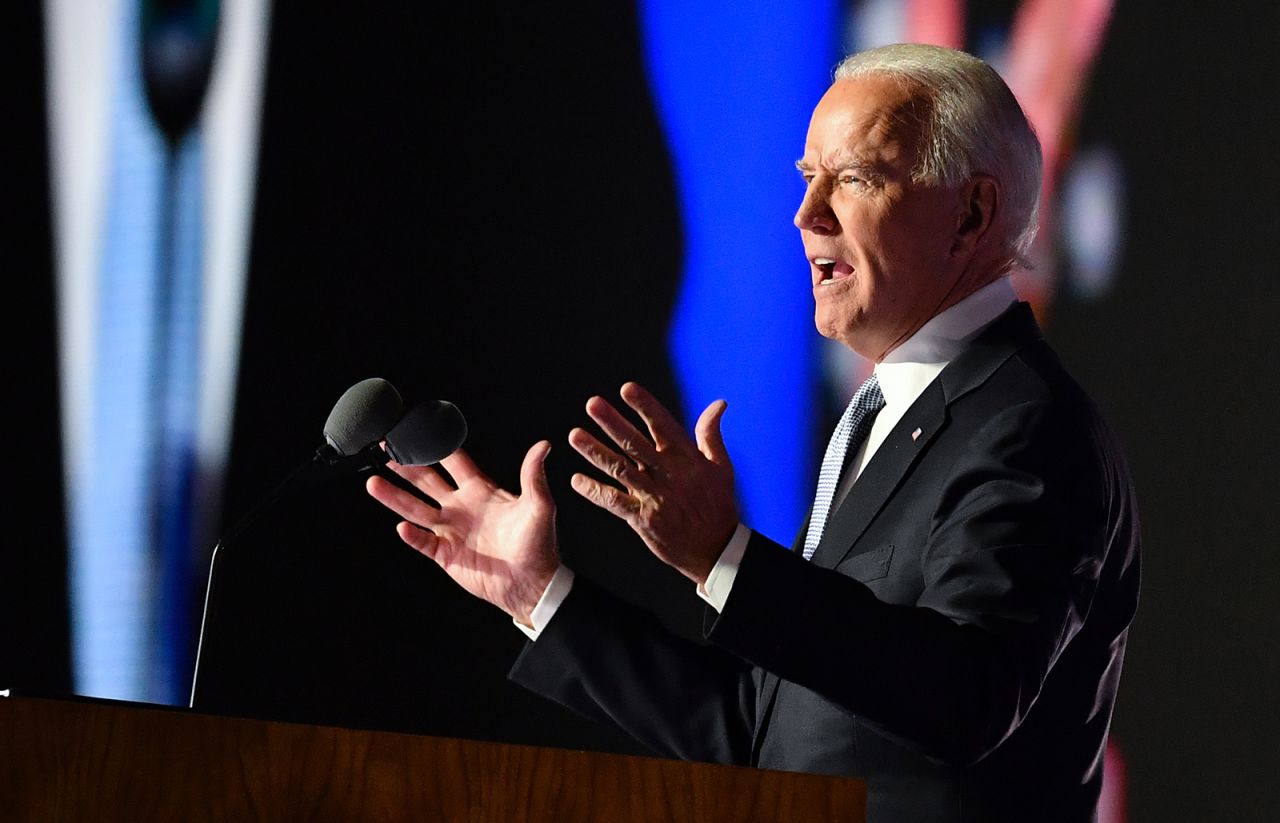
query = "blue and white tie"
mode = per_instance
[
  {"x": 852, "y": 429},
  {"x": 132, "y": 496}
]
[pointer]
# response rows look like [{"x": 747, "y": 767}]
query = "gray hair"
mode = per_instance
[{"x": 973, "y": 125}]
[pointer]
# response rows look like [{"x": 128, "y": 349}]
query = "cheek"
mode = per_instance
[
  {"x": 873, "y": 238},
  {"x": 925, "y": 233},
  {"x": 905, "y": 257}
]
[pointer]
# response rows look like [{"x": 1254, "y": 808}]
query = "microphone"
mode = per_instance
[
  {"x": 362, "y": 415},
  {"x": 371, "y": 411},
  {"x": 427, "y": 434},
  {"x": 367, "y": 413}
]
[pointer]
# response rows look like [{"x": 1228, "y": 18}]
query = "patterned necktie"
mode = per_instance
[
  {"x": 853, "y": 427},
  {"x": 132, "y": 547}
]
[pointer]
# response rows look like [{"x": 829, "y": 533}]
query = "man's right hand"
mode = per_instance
[{"x": 496, "y": 545}]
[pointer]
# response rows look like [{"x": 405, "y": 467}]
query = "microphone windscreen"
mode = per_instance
[
  {"x": 363, "y": 414},
  {"x": 429, "y": 432}
]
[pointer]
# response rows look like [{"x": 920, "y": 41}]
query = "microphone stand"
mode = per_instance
[{"x": 325, "y": 462}]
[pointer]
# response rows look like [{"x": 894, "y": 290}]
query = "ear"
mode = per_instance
[{"x": 980, "y": 198}]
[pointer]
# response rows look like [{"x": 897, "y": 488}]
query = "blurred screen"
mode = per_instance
[{"x": 245, "y": 207}]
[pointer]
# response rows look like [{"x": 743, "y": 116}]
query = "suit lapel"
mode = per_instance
[
  {"x": 882, "y": 476},
  {"x": 913, "y": 433},
  {"x": 895, "y": 457}
]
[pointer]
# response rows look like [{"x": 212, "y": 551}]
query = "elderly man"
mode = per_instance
[{"x": 951, "y": 622}]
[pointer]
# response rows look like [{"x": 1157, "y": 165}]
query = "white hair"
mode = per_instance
[{"x": 973, "y": 126}]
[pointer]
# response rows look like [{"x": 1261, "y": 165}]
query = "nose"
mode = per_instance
[{"x": 815, "y": 213}]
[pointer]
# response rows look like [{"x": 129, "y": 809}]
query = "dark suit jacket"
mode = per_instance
[{"x": 957, "y": 638}]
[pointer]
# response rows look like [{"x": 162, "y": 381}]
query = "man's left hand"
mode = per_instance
[{"x": 677, "y": 495}]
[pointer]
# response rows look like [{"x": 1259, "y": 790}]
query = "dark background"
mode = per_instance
[{"x": 476, "y": 204}]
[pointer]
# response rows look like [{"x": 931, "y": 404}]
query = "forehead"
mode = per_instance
[{"x": 870, "y": 119}]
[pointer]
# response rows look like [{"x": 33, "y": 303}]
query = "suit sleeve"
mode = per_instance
[
  {"x": 616, "y": 663},
  {"x": 1015, "y": 545}
]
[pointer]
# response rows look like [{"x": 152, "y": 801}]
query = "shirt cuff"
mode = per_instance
[
  {"x": 720, "y": 581},
  {"x": 557, "y": 590}
]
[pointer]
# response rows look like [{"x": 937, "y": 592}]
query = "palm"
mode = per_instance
[
  {"x": 675, "y": 493},
  {"x": 487, "y": 537},
  {"x": 496, "y": 545}
]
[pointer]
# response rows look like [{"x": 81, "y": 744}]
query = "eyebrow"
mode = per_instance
[{"x": 843, "y": 163}]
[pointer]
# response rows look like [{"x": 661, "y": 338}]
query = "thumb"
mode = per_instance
[
  {"x": 533, "y": 473},
  {"x": 707, "y": 432}
]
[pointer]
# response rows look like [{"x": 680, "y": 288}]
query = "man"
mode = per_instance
[{"x": 952, "y": 621}]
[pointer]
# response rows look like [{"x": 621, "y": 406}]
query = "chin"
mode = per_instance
[
  {"x": 852, "y": 340},
  {"x": 831, "y": 331},
  {"x": 841, "y": 329}
]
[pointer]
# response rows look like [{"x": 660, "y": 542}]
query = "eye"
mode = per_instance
[{"x": 848, "y": 178}]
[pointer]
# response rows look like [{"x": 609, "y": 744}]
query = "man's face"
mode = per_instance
[{"x": 879, "y": 244}]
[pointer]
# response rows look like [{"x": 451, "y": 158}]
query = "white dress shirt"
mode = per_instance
[{"x": 903, "y": 374}]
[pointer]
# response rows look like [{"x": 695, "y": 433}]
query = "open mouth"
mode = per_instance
[{"x": 831, "y": 270}]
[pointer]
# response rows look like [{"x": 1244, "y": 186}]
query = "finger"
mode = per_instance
[
  {"x": 609, "y": 461},
  {"x": 424, "y": 478},
  {"x": 421, "y": 540},
  {"x": 533, "y": 472},
  {"x": 462, "y": 468},
  {"x": 609, "y": 498},
  {"x": 402, "y": 503},
  {"x": 634, "y": 444},
  {"x": 707, "y": 433},
  {"x": 663, "y": 426}
]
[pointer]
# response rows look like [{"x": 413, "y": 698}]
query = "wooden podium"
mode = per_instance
[{"x": 91, "y": 760}]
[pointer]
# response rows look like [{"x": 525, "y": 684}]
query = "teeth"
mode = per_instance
[{"x": 828, "y": 267}]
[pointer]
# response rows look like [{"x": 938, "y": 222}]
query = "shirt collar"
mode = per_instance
[
  {"x": 908, "y": 369},
  {"x": 950, "y": 331}
]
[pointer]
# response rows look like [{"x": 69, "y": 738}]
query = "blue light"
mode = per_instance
[{"x": 734, "y": 83}]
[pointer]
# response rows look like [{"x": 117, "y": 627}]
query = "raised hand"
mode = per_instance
[
  {"x": 496, "y": 545},
  {"x": 675, "y": 494}
]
